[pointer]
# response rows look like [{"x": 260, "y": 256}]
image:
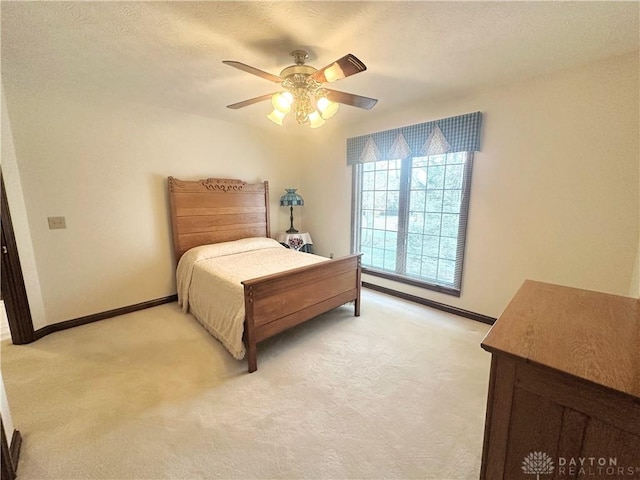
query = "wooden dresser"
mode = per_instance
[{"x": 564, "y": 390}]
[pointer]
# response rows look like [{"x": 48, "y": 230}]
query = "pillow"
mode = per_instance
[{"x": 204, "y": 252}]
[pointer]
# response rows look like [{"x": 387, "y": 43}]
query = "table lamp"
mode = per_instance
[{"x": 290, "y": 199}]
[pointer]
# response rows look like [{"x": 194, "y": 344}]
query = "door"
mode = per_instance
[{"x": 14, "y": 293}]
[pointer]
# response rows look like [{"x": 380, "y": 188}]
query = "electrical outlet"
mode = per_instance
[{"x": 56, "y": 223}]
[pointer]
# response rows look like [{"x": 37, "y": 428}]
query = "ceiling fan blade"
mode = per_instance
[
  {"x": 251, "y": 101},
  {"x": 351, "y": 99},
  {"x": 341, "y": 68},
  {"x": 253, "y": 70}
]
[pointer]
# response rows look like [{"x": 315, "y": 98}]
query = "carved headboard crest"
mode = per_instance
[{"x": 222, "y": 184}]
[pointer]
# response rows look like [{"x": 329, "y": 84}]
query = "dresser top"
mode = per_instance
[{"x": 590, "y": 335}]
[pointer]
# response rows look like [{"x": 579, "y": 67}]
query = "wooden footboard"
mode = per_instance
[{"x": 274, "y": 303}]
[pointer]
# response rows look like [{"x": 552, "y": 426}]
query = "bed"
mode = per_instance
[{"x": 223, "y": 224}]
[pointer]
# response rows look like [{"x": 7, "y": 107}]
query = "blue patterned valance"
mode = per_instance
[{"x": 449, "y": 135}]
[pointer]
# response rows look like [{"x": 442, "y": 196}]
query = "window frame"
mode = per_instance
[{"x": 403, "y": 227}]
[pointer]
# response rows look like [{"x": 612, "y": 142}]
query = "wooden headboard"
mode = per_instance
[{"x": 216, "y": 210}]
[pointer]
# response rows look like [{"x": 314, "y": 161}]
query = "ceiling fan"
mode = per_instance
[{"x": 304, "y": 92}]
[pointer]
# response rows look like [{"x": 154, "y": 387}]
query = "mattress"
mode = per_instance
[{"x": 209, "y": 282}]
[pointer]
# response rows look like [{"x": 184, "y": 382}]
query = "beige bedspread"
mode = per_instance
[{"x": 209, "y": 276}]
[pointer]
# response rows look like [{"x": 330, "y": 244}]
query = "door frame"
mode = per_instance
[{"x": 14, "y": 293}]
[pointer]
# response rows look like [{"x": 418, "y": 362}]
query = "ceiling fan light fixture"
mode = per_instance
[
  {"x": 302, "y": 117},
  {"x": 333, "y": 73},
  {"x": 316, "y": 120},
  {"x": 282, "y": 101},
  {"x": 326, "y": 107},
  {"x": 304, "y": 95},
  {"x": 276, "y": 116}
]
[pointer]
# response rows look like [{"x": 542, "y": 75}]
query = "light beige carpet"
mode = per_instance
[{"x": 399, "y": 392}]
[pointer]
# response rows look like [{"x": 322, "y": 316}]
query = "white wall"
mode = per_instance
[
  {"x": 7, "y": 420},
  {"x": 15, "y": 197},
  {"x": 555, "y": 188},
  {"x": 103, "y": 165}
]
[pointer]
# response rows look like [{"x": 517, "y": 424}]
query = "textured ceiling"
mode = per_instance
[{"x": 169, "y": 54}]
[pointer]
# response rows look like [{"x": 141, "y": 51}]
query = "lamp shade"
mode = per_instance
[
  {"x": 282, "y": 101},
  {"x": 291, "y": 198},
  {"x": 326, "y": 107},
  {"x": 315, "y": 120},
  {"x": 276, "y": 116}
]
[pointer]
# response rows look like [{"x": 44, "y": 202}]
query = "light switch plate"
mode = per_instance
[{"x": 57, "y": 223}]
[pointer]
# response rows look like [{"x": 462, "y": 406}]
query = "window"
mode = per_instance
[
  {"x": 411, "y": 189},
  {"x": 411, "y": 218}
]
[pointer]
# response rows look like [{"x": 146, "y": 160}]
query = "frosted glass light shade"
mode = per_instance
[
  {"x": 276, "y": 117},
  {"x": 326, "y": 107},
  {"x": 282, "y": 101},
  {"x": 315, "y": 120}
]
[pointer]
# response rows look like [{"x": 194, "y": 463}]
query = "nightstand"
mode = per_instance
[{"x": 298, "y": 241}]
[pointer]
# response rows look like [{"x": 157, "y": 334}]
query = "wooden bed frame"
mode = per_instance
[{"x": 217, "y": 210}]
